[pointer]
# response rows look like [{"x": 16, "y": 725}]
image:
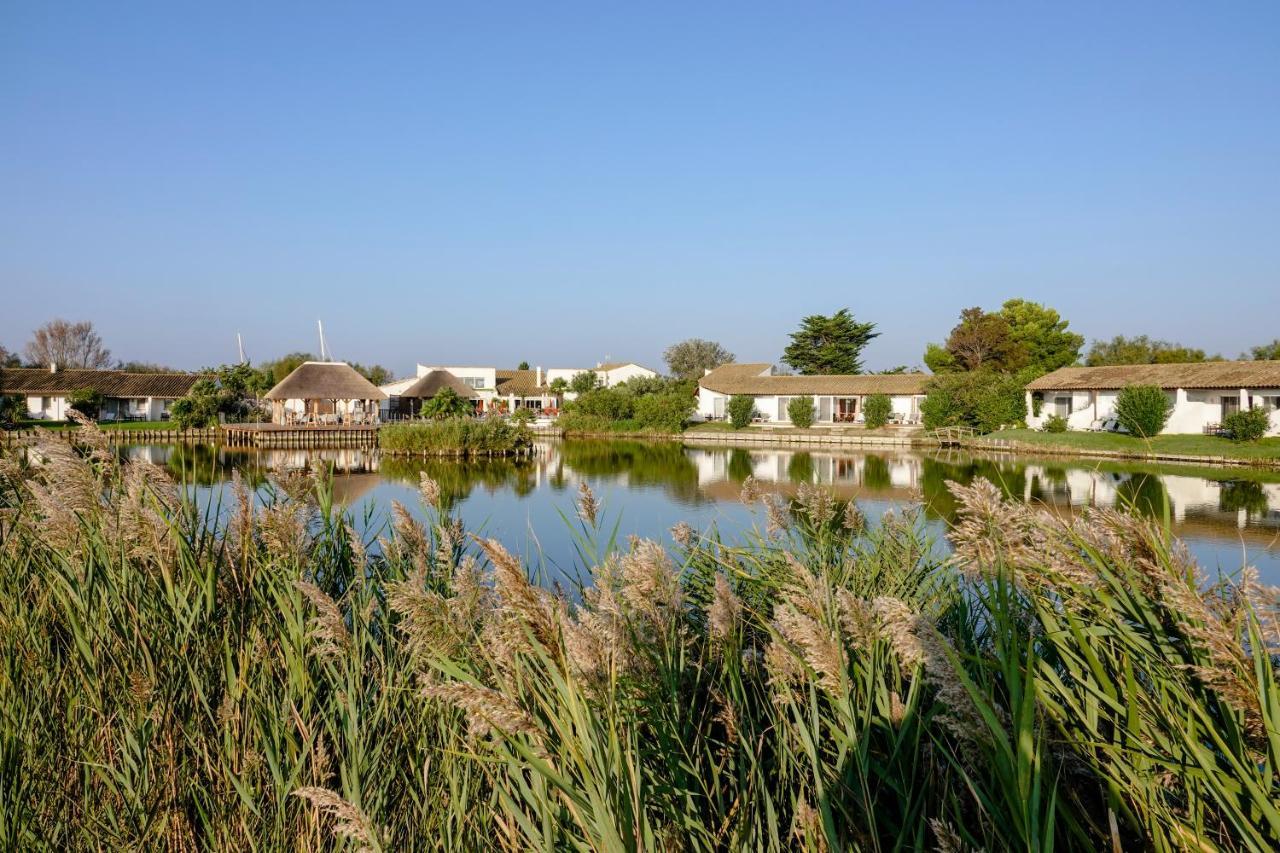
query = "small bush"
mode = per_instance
[
  {"x": 455, "y": 436},
  {"x": 800, "y": 410},
  {"x": 1247, "y": 425},
  {"x": 876, "y": 410},
  {"x": 86, "y": 401},
  {"x": 1055, "y": 423},
  {"x": 523, "y": 417},
  {"x": 742, "y": 408},
  {"x": 1142, "y": 409},
  {"x": 608, "y": 403}
]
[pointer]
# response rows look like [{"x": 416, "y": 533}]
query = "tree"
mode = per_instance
[
  {"x": 1247, "y": 424},
  {"x": 70, "y": 345},
  {"x": 1142, "y": 350},
  {"x": 12, "y": 407},
  {"x": 939, "y": 360},
  {"x": 524, "y": 365},
  {"x": 446, "y": 403},
  {"x": 982, "y": 340},
  {"x": 983, "y": 400},
  {"x": 742, "y": 407},
  {"x": 9, "y": 359},
  {"x": 1266, "y": 352},
  {"x": 277, "y": 370},
  {"x": 587, "y": 380},
  {"x": 828, "y": 345},
  {"x": 375, "y": 373},
  {"x": 1042, "y": 335},
  {"x": 1143, "y": 409},
  {"x": 230, "y": 390},
  {"x": 144, "y": 367},
  {"x": 558, "y": 386},
  {"x": 896, "y": 369},
  {"x": 692, "y": 358}
]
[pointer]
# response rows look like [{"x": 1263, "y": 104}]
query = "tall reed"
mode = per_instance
[{"x": 256, "y": 676}]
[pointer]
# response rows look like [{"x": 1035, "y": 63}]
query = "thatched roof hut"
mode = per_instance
[
  {"x": 435, "y": 382},
  {"x": 324, "y": 388}
]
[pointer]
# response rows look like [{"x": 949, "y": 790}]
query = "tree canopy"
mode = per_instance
[
  {"x": 690, "y": 359},
  {"x": 1042, "y": 335},
  {"x": 1267, "y": 352},
  {"x": 1022, "y": 335},
  {"x": 70, "y": 345},
  {"x": 9, "y": 359},
  {"x": 1142, "y": 350},
  {"x": 829, "y": 345},
  {"x": 144, "y": 367}
]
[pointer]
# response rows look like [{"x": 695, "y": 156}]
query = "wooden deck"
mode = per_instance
[{"x": 300, "y": 436}]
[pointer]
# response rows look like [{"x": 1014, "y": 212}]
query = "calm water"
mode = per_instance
[{"x": 1228, "y": 517}]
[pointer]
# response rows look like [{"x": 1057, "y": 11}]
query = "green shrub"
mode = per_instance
[
  {"x": 876, "y": 410},
  {"x": 455, "y": 436},
  {"x": 1143, "y": 409},
  {"x": 984, "y": 400},
  {"x": 608, "y": 403},
  {"x": 86, "y": 401},
  {"x": 742, "y": 407},
  {"x": 800, "y": 410},
  {"x": 1247, "y": 425},
  {"x": 1055, "y": 423},
  {"x": 524, "y": 417},
  {"x": 194, "y": 411},
  {"x": 12, "y": 408},
  {"x": 447, "y": 403},
  {"x": 663, "y": 412}
]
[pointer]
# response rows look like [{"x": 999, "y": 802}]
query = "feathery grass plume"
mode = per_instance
[
  {"x": 93, "y": 441},
  {"x": 486, "y": 709},
  {"x": 449, "y": 536},
  {"x": 350, "y": 822},
  {"x": 777, "y": 519},
  {"x": 751, "y": 491},
  {"x": 66, "y": 488},
  {"x": 328, "y": 628},
  {"x": 140, "y": 526},
  {"x": 918, "y": 643},
  {"x": 588, "y": 505},
  {"x": 596, "y": 640},
  {"x": 649, "y": 585},
  {"x": 807, "y": 828},
  {"x": 298, "y": 484},
  {"x": 682, "y": 534},
  {"x": 725, "y": 611},
  {"x": 429, "y": 489},
  {"x": 240, "y": 528},
  {"x": 948, "y": 840},
  {"x": 856, "y": 619},
  {"x": 522, "y": 606},
  {"x": 816, "y": 503},
  {"x": 425, "y": 619},
  {"x": 813, "y": 642},
  {"x": 853, "y": 519},
  {"x": 359, "y": 556},
  {"x": 283, "y": 529}
]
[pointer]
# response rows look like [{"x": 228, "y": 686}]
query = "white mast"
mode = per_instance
[
  {"x": 240, "y": 344},
  {"x": 324, "y": 352}
]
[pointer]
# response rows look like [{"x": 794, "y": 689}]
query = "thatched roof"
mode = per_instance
[
  {"x": 434, "y": 382},
  {"x": 520, "y": 383},
  {"x": 325, "y": 380},
  {"x": 1207, "y": 374},
  {"x": 754, "y": 379},
  {"x": 110, "y": 383}
]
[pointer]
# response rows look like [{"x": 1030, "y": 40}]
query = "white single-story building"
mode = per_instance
[
  {"x": 837, "y": 399},
  {"x": 1201, "y": 394},
  {"x": 325, "y": 392},
  {"x": 126, "y": 396},
  {"x": 507, "y": 390}
]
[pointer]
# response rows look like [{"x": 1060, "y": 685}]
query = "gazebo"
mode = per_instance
[
  {"x": 409, "y": 401},
  {"x": 325, "y": 392}
]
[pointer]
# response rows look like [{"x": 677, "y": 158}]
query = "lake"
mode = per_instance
[{"x": 1227, "y": 516}]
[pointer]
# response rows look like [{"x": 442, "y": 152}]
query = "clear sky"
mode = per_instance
[{"x": 561, "y": 182}]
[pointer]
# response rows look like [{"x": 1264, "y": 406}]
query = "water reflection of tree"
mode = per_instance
[
  {"x": 645, "y": 463},
  {"x": 458, "y": 478},
  {"x": 209, "y": 465},
  {"x": 1143, "y": 493},
  {"x": 1247, "y": 495},
  {"x": 740, "y": 467},
  {"x": 800, "y": 468},
  {"x": 935, "y": 473},
  {"x": 875, "y": 473}
]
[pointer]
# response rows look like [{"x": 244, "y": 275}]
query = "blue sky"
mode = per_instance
[{"x": 561, "y": 182}]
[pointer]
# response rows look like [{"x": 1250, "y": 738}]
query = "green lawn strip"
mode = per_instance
[{"x": 1177, "y": 445}]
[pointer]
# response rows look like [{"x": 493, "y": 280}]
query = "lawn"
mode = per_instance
[
  {"x": 1181, "y": 445},
  {"x": 110, "y": 425}
]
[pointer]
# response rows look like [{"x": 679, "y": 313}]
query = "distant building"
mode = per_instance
[
  {"x": 127, "y": 396},
  {"x": 325, "y": 392},
  {"x": 1201, "y": 394},
  {"x": 837, "y": 399}
]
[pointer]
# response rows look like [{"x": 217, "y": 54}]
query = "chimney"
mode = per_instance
[
  {"x": 539, "y": 377},
  {"x": 53, "y": 367}
]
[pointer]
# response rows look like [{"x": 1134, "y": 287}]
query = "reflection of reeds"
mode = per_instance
[{"x": 167, "y": 681}]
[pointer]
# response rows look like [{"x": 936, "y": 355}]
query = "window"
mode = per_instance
[
  {"x": 1230, "y": 405},
  {"x": 1063, "y": 405},
  {"x": 473, "y": 381},
  {"x": 783, "y": 414}
]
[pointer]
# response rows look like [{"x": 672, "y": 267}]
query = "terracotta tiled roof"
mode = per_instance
[
  {"x": 1207, "y": 374},
  {"x": 747, "y": 379},
  {"x": 520, "y": 383},
  {"x": 110, "y": 383},
  {"x": 325, "y": 380}
]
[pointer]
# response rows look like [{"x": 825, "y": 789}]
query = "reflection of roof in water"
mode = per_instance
[{"x": 350, "y": 489}]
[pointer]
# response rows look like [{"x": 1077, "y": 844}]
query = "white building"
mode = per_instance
[
  {"x": 1201, "y": 394},
  {"x": 499, "y": 390},
  {"x": 837, "y": 399},
  {"x": 325, "y": 392},
  {"x": 126, "y": 396}
]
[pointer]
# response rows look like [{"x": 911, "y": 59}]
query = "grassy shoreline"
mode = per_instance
[
  {"x": 268, "y": 679},
  {"x": 1265, "y": 451}
]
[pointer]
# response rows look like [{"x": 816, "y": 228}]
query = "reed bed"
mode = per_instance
[
  {"x": 264, "y": 679},
  {"x": 455, "y": 437}
]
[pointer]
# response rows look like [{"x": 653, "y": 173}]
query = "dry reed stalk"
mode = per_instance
[
  {"x": 588, "y": 505},
  {"x": 486, "y": 709},
  {"x": 328, "y": 628},
  {"x": 350, "y": 822},
  {"x": 725, "y": 611}
]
